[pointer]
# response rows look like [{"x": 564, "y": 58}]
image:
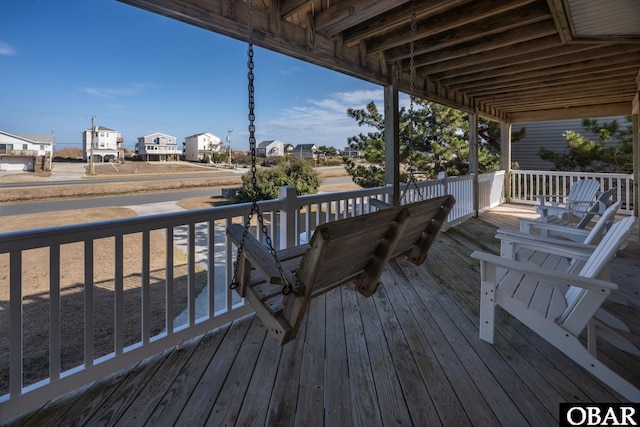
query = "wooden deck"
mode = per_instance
[{"x": 409, "y": 355}]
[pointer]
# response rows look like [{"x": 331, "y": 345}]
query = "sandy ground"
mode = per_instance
[{"x": 36, "y": 274}]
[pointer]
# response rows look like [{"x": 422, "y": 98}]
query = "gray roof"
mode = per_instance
[
  {"x": 265, "y": 144},
  {"x": 46, "y": 139}
]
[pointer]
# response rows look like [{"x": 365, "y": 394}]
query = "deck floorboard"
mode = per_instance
[{"x": 409, "y": 355}]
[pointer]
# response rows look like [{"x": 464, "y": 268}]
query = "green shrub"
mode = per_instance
[{"x": 293, "y": 172}]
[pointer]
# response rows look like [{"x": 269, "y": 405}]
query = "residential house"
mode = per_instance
[
  {"x": 350, "y": 152},
  {"x": 157, "y": 147},
  {"x": 25, "y": 152},
  {"x": 549, "y": 134},
  {"x": 105, "y": 145},
  {"x": 272, "y": 148},
  {"x": 305, "y": 151},
  {"x": 196, "y": 146}
]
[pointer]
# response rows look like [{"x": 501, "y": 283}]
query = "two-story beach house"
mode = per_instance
[
  {"x": 103, "y": 145},
  {"x": 157, "y": 147},
  {"x": 25, "y": 152},
  {"x": 305, "y": 151},
  {"x": 273, "y": 148},
  {"x": 196, "y": 146}
]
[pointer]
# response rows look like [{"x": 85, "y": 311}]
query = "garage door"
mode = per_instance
[{"x": 8, "y": 163}]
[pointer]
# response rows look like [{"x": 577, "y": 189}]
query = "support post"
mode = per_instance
[
  {"x": 505, "y": 157},
  {"x": 473, "y": 159},
  {"x": 392, "y": 137},
  {"x": 635, "y": 126},
  {"x": 288, "y": 217}
]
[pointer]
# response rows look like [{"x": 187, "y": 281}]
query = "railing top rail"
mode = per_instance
[
  {"x": 564, "y": 173},
  {"x": 31, "y": 239}
]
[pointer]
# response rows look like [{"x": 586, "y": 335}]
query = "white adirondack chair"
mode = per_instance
[
  {"x": 581, "y": 195},
  {"x": 567, "y": 219},
  {"x": 569, "y": 256},
  {"x": 513, "y": 242},
  {"x": 556, "y": 305}
]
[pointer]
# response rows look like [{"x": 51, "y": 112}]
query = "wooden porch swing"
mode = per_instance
[{"x": 280, "y": 284}]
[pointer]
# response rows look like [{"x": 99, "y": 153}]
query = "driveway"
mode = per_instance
[{"x": 68, "y": 171}]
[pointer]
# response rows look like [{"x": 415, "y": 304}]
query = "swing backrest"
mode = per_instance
[{"x": 359, "y": 248}]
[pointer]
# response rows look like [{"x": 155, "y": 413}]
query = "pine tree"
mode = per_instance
[
  {"x": 611, "y": 152},
  {"x": 433, "y": 139}
]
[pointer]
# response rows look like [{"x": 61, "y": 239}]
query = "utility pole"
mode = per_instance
[
  {"x": 229, "y": 142},
  {"x": 92, "y": 166},
  {"x": 53, "y": 147}
]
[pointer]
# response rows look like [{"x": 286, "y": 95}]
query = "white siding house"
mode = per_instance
[
  {"x": 105, "y": 145},
  {"x": 305, "y": 151},
  {"x": 157, "y": 146},
  {"x": 271, "y": 148},
  {"x": 25, "y": 152},
  {"x": 195, "y": 146}
]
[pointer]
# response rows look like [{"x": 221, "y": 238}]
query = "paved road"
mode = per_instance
[
  {"x": 73, "y": 173},
  {"x": 136, "y": 199},
  {"x": 100, "y": 202}
]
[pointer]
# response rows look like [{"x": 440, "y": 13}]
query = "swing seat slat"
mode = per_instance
[{"x": 355, "y": 249}]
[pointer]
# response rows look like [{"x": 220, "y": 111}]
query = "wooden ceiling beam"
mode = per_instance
[
  {"x": 470, "y": 67},
  {"x": 447, "y": 39},
  {"x": 575, "y": 69},
  {"x": 600, "y": 110},
  {"x": 515, "y": 108},
  {"x": 488, "y": 58},
  {"x": 564, "y": 97},
  {"x": 395, "y": 19},
  {"x": 583, "y": 58},
  {"x": 291, "y": 7},
  {"x": 556, "y": 8},
  {"x": 517, "y": 87},
  {"x": 552, "y": 84},
  {"x": 349, "y": 13},
  {"x": 453, "y": 20},
  {"x": 527, "y": 33}
]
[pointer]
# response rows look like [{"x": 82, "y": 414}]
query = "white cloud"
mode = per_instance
[
  {"x": 290, "y": 70},
  {"x": 321, "y": 121},
  {"x": 132, "y": 89},
  {"x": 5, "y": 49}
]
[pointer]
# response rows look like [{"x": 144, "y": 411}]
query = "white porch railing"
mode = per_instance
[
  {"x": 526, "y": 184},
  {"x": 184, "y": 256}
]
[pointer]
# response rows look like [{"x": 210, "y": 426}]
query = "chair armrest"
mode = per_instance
[
  {"x": 575, "y": 234},
  {"x": 565, "y": 248},
  {"x": 516, "y": 234},
  {"x": 543, "y": 273},
  {"x": 544, "y": 197}
]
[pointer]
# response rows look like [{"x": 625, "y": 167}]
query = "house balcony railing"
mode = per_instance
[
  {"x": 526, "y": 184},
  {"x": 179, "y": 289},
  {"x": 16, "y": 152}
]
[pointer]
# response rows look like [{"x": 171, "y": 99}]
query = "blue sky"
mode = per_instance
[{"x": 62, "y": 62}]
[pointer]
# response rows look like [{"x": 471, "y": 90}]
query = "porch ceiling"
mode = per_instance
[{"x": 515, "y": 60}]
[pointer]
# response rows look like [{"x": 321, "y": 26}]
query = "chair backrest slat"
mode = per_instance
[{"x": 601, "y": 256}]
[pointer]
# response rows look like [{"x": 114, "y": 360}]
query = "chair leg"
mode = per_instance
[
  {"x": 487, "y": 301},
  {"x": 589, "y": 362},
  {"x": 571, "y": 346}
]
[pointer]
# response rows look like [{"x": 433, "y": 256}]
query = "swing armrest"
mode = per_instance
[
  {"x": 379, "y": 204},
  {"x": 259, "y": 257}
]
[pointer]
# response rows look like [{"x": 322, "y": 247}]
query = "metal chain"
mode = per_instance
[
  {"x": 412, "y": 70},
  {"x": 255, "y": 209}
]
